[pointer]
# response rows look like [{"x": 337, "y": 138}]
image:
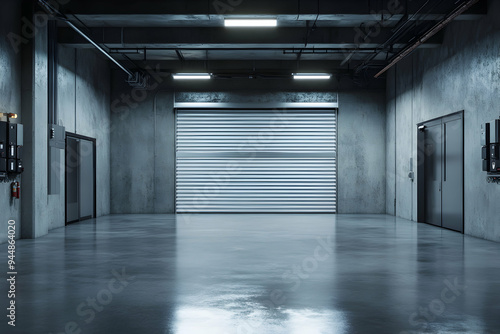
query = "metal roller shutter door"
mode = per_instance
[{"x": 256, "y": 161}]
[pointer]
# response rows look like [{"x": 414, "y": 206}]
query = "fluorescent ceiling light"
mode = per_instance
[
  {"x": 312, "y": 76},
  {"x": 191, "y": 76},
  {"x": 250, "y": 22}
]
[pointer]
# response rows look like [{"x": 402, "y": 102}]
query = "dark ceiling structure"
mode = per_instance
[{"x": 356, "y": 36}]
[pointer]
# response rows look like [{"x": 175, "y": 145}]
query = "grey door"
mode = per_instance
[
  {"x": 86, "y": 176},
  {"x": 80, "y": 179},
  {"x": 441, "y": 190},
  {"x": 432, "y": 167},
  {"x": 72, "y": 180},
  {"x": 453, "y": 173}
]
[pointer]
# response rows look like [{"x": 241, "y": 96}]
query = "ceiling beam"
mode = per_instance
[
  {"x": 278, "y": 67},
  {"x": 249, "y": 54},
  {"x": 206, "y": 38},
  {"x": 197, "y": 20},
  {"x": 256, "y": 7}
]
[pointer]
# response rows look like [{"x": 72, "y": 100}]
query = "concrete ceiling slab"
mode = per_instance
[{"x": 180, "y": 30}]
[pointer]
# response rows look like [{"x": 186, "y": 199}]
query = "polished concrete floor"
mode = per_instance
[{"x": 256, "y": 274}]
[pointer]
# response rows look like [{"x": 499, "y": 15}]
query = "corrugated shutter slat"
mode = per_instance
[{"x": 256, "y": 161}]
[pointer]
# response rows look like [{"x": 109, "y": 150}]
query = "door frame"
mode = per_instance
[
  {"x": 421, "y": 170},
  {"x": 94, "y": 144}
]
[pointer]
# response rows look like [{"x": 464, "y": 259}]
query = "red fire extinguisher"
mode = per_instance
[
  {"x": 18, "y": 185},
  {"x": 14, "y": 189}
]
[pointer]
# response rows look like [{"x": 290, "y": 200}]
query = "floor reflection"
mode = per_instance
[
  {"x": 225, "y": 321},
  {"x": 258, "y": 274}
]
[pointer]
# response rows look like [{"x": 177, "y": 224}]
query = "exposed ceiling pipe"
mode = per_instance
[
  {"x": 180, "y": 55},
  {"x": 325, "y": 51},
  {"x": 134, "y": 79},
  {"x": 284, "y": 50},
  {"x": 433, "y": 31},
  {"x": 398, "y": 31},
  {"x": 104, "y": 52}
]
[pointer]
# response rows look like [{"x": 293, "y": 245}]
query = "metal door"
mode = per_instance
[
  {"x": 80, "y": 178},
  {"x": 256, "y": 161},
  {"x": 441, "y": 172},
  {"x": 86, "y": 179},
  {"x": 453, "y": 173},
  {"x": 72, "y": 180},
  {"x": 432, "y": 170}
]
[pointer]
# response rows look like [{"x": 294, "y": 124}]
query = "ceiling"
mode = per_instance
[{"x": 324, "y": 35}]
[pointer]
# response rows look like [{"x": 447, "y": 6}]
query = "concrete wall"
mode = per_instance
[
  {"x": 83, "y": 84},
  {"x": 10, "y": 99},
  {"x": 34, "y": 217},
  {"x": 361, "y": 146},
  {"x": 84, "y": 91},
  {"x": 464, "y": 74},
  {"x": 143, "y": 155},
  {"x": 83, "y": 103}
]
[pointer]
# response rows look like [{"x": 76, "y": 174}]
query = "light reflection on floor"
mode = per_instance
[
  {"x": 224, "y": 321},
  {"x": 217, "y": 274}
]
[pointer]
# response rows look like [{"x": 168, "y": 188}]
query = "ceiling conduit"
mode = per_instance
[
  {"x": 136, "y": 80},
  {"x": 434, "y": 30}
]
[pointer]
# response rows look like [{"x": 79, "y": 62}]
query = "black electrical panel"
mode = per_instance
[
  {"x": 485, "y": 150},
  {"x": 3, "y": 146},
  {"x": 485, "y": 134},
  {"x": 12, "y": 166},
  {"x": 19, "y": 167},
  {"x": 495, "y": 132},
  {"x": 3, "y": 140},
  {"x": 11, "y": 148},
  {"x": 493, "y": 151},
  {"x": 490, "y": 151},
  {"x": 12, "y": 141}
]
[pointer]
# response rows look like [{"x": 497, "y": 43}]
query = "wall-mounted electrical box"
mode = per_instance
[
  {"x": 495, "y": 131},
  {"x": 57, "y": 144},
  {"x": 3, "y": 140},
  {"x": 485, "y": 146},
  {"x": 3, "y": 147},
  {"x": 490, "y": 150},
  {"x": 11, "y": 148},
  {"x": 494, "y": 146},
  {"x": 485, "y": 134},
  {"x": 57, "y": 136}
]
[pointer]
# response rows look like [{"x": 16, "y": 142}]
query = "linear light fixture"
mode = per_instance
[
  {"x": 250, "y": 22},
  {"x": 192, "y": 76},
  {"x": 312, "y": 76}
]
